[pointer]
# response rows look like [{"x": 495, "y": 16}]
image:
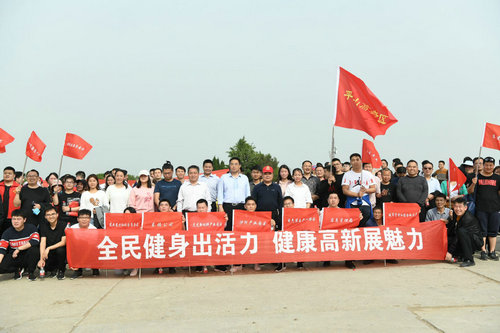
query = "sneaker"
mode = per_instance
[
  {"x": 392, "y": 261},
  {"x": 236, "y": 268},
  {"x": 32, "y": 277},
  {"x": 60, "y": 275},
  {"x": 95, "y": 272},
  {"x": 493, "y": 256},
  {"x": 300, "y": 265},
  {"x": 326, "y": 264},
  {"x": 76, "y": 274},
  {"x": 220, "y": 269},
  {"x": 19, "y": 274},
  {"x": 256, "y": 267},
  {"x": 483, "y": 256},
  {"x": 199, "y": 269},
  {"x": 280, "y": 268},
  {"x": 133, "y": 272},
  {"x": 350, "y": 264},
  {"x": 171, "y": 270},
  {"x": 205, "y": 270},
  {"x": 53, "y": 274},
  {"x": 467, "y": 263}
]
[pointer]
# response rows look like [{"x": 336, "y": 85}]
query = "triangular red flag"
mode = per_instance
[
  {"x": 456, "y": 179},
  {"x": 75, "y": 146},
  {"x": 5, "y": 139},
  {"x": 491, "y": 136},
  {"x": 35, "y": 147},
  {"x": 370, "y": 155},
  {"x": 359, "y": 108}
]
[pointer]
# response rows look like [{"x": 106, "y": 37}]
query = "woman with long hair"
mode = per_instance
[
  {"x": 92, "y": 198},
  {"x": 299, "y": 191},
  {"x": 285, "y": 178},
  {"x": 142, "y": 195}
]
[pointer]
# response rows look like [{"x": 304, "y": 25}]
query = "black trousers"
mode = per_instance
[
  {"x": 366, "y": 212},
  {"x": 228, "y": 209},
  {"x": 56, "y": 259},
  {"x": 465, "y": 244},
  {"x": 26, "y": 259}
]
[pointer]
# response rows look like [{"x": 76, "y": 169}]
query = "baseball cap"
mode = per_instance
[
  {"x": 468, "y": 163},
  {"x": 143, "y": 172},
  {"x": 267, "y": 168}
]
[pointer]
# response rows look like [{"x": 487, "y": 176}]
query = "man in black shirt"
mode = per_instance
[
  {"x": 32, "y": 198},
  {"x": 339, "y": 174},
  {"x": 268, "y": 195},
  {"x": 387, "y": 189},
  {"x": 488, "y": 206},
  {"x": 327, "y": 186},
  {"x": 53, "y": 244},
  {"x": 19, "y": 247},
  {"x": 68, "y": 201}
]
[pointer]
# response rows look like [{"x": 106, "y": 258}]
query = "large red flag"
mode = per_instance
[
  {"x": 35, "y": 147},
  {"x": 370, "y": 154},
  {"x": 5, "y": 139},
  {"x": 491, "y": 136},
  {"x": 456, "y": 178},
  {"x": 75, "y": 146},
  {"x": 359, "y": 108}
]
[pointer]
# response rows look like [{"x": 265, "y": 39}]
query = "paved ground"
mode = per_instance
[{"x": 413, "y": 296}]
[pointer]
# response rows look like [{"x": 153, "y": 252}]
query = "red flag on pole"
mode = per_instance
[
  {"x": 457, "y": 178},
  {"x": 35, "y": 147},
  {"x": 491, "y": 136},
  {"x": 370, "y": 154},
  {"x": 5, "y": 139},
  {"x": 75, "y": 146},
  {"x": 359, "y": 108}
]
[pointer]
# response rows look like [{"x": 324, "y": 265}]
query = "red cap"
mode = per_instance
[{"x": 267, "y": 168}]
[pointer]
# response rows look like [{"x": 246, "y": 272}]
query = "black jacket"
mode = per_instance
[{"x": 470, "y": 224}]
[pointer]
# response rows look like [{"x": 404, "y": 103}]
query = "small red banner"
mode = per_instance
[
  {"x": 162, "y": 220},
  {"x": 405, "y": 214},
  {"x": 251, "y": 221},
  {"x": 122, "y": 221},
  {"x": 340, "y": 218},
  {"x": 300, "y": 219},
  {"x": 201, "y": 222}
]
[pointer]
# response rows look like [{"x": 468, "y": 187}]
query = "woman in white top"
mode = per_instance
[
  {"x": 93, "y": 197},
  {"x": 285, "y": 178},
  {"x": 118, "y": 193},
  {"x": 298, "y": 191}
]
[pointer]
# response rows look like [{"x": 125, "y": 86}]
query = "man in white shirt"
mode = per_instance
[
  {"x": 192, "y": 191},
  {"x": 433, "y": 184},
  {"x": 211, "y": 180}
]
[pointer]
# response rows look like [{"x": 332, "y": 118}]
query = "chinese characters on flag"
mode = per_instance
[
  {"x": 300, "y": 219},
  {"x": 404, "y": 214},
  {"x": 35, "y": 147},
  {"x": 340, "y": 218},
  {"x": 491, "y": 136},
  {"x": 162, "y": 220},
  {"x": 358, "y": 108},
  {"x": 75, "y": 146},
  {"x": 370, "y": 154},
  {"x": 199, "y": 222},
  {"x": 251, "y": 221}
]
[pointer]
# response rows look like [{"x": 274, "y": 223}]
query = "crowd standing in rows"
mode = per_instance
[{"x": 35, "y": 214}]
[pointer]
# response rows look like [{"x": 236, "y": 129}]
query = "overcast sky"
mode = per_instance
[{"x": 149, "y": 81}]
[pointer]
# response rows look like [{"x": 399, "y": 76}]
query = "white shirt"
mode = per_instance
[
  {"x": 190, "y": 193},
  {"x": 354, "y": 180},
  {"x": 118, "y": 198},
  {"x": 301, "y": 195},
  {"x": 212, "y": 181},
  {"x": 77, "y": 226},
  {"x": 92, "y": 200},
  {"x": 433, "y": 185}
]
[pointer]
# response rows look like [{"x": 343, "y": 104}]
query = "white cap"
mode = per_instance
[{"x": 144, "y": 172}]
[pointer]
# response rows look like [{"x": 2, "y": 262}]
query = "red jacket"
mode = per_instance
[{"x": 12, "y": 194}]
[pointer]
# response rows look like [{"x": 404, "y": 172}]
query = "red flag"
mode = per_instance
[
  {"x": 340, "y": 218},
  {"x": 370, "y": 154},
  {"x": 162, "y": 220},
  {"x": 75, "y": 146},
  {"x": 251, "y": 221},
  {"x": 5, "y": 139},
  {"x": 303, "y": 219},
  {"x": 405, "y": 214},
  {"x": 359, "y": 108},
  {"x": 491, "y": 136},
  {"x": 35, "y": 147},
  {"x": 201, "y": 222},
  {"x": 456, "y": 178},
  {"x": 122, "y": 221}
]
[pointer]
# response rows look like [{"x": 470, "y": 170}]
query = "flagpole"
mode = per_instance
[
  {"x": 448, "y": 181},
  {"x": 60, "y": 165},
  {"x": 24, "y": 168}
]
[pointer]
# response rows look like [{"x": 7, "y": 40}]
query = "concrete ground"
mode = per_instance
[{"x": 412, "y": 296}]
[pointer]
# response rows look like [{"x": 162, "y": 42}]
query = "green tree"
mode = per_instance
[
  {"x": 249, "y": 157},
  {"x": 219, "y": 164}
]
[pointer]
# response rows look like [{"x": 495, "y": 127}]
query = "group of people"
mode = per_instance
[{"x": 34, "y": 214}]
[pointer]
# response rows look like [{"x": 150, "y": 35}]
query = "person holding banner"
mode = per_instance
[
  {"x": 32, "y": 198},
  {"x": 83, "y": 223},
  {"x": 440, "y": 212},
  {"x": 299, "y": 191},
  {"x": 142, "y": 195}
]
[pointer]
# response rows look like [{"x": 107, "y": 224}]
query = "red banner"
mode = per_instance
[
  {"x": 370, "y": 154},
  {"x": 251, "y": 221},
  {"x": 5, "y": 139},
  {"x": 340, "y": 218},
  {"x": 108, "y": 249},
  {"x": 201, "y": 222},
  {"x": 405, "y": 214},
  {"x": 75, "y": 146},
  {"x": 35, "y": 147},
  {"x": 359, "y": 108},
  {"x": 122, "y": 221},
  {"x": 491, "y": 137},
  {"x": 162, "y": 220},
  {"x": 300, "y": 219}
]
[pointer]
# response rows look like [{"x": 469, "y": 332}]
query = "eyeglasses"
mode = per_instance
[
  {"x": 427, "y": 168},
  {"x": 489, "y": 159}
]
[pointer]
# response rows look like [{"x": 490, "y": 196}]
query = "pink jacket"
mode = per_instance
[{"x": 142, "y": 199}]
